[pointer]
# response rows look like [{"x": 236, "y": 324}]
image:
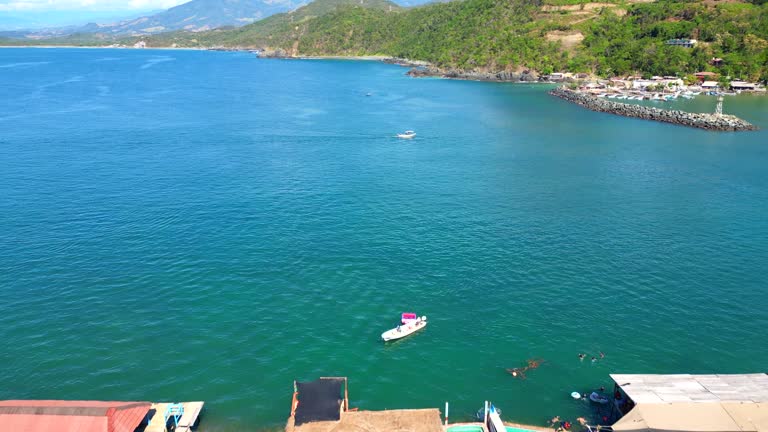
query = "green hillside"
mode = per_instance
[
  {"x": 735, "y": 32},
  {"x": 619, "y": 37},
  {"x": 616, "y": 38}
]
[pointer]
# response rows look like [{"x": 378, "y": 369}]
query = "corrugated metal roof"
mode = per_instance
[
  {"x": 644, "y": 389},
  {"x": 695, "y": 403},
  {"x": 71, "y": 416},
  {"x": 695, "y": 417}
]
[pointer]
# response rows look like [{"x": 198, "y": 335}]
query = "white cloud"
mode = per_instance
[{"x": 70, "y": 5}]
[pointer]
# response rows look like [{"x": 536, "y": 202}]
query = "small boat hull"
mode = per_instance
[
  {"x": 404, "y": 330},
  {"x": 598, "y": 398}
]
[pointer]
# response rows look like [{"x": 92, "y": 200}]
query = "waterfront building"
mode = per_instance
[
  {"x": 556, "y": 76},
  {"x": 323, "y": 406},
  {"x": 97, "y": 416},
  {"x": 703, "y": 76},
  {"x": 691, "y": 403},
  {"x": 686, "y": 43},
  {"x": 71, "y": 416},
  {"x": 742, "y": 85}
]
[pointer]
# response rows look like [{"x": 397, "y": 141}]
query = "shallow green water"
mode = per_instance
[{"x": 211, "y": 226}]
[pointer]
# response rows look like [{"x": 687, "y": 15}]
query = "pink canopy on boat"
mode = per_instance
[{"x": 409, "y": 316}]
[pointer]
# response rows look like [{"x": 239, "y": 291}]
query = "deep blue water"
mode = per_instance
[{"x": 184, "y": 225}]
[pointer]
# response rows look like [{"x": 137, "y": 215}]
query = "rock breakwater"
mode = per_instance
[{"x": 698, "y": 120}]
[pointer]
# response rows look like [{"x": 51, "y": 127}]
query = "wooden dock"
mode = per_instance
[{"x": 157, "y": 422}]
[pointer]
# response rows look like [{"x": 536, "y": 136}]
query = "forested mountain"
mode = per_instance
[
  {"x": 624, "y": 37},
  {"x": 731, "y": 37}
]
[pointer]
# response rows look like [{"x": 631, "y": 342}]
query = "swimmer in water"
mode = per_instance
[
  {"x": 581, "y": 356},
  {"x": 602, "y": 355},
  {"x": 520, "y": 372},
  {"x": 594, "y": 359}
]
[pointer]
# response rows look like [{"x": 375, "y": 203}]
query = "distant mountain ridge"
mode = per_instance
[
  {"x": 193, "y": 16},
  {"x": 277, "y": 30},
  {"x": 197, "y": 15}
]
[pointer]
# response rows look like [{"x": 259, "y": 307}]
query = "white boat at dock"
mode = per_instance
[
  {"x": 407, "y": 134},
  {"x": 409, "y": 323}
]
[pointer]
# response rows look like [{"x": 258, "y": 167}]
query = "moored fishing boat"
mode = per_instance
[{"x": 409, "y": 323}]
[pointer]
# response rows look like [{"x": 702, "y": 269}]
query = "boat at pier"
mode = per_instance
[{"x": 409, "y": 323}]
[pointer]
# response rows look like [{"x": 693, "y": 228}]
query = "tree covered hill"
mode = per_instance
[
  {"x": 736, "y": 33},
  {"x": 616, "y": 38},
  {"x": 613, "y": 37}
]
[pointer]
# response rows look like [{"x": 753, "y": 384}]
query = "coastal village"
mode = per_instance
[
  {"x": 658, "y": 88},
  {"x": 679, "y": 402}
]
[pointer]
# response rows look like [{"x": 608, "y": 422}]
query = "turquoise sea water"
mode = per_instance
[{"x": 180, "y": 225}]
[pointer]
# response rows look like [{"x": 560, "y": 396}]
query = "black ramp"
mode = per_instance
[{"x": 319, "y": 400}]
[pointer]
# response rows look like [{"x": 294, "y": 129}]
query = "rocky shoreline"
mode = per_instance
[
  {"x": 418, "y": 68},
  {"x": 502, "y": 76},
  {"x": 710, "y": 122}
]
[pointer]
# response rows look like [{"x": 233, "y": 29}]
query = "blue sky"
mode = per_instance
[{"x": 18, "y": 14}]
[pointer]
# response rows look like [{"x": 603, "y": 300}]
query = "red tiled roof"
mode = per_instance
[{"x": 71, "y": 416}]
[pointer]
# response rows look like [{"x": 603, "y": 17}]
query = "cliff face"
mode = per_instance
[{"x": 702, "y": 121}]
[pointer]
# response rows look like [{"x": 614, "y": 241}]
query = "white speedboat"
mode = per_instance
[
  {"x": 407, "y": 134},
  {"x": 409, "y": 324}
]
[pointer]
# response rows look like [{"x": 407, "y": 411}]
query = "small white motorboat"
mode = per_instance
[
  {"x": 409, "y": 323},
  {"x": 407, "y": 134}
]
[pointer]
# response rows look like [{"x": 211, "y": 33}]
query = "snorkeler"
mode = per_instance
[{"x": 520, "y": 372}]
